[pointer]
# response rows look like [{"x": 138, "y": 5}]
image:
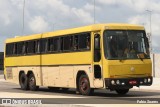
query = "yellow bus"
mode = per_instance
[{"x": 99, "y": 56}]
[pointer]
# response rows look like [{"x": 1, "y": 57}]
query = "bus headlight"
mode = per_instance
[
  {"x": 145, "y": 80},
  {"x": 149, "y": 80},
  {"x": 118, "y": 82},
  {"x": 113, "y": 82}
]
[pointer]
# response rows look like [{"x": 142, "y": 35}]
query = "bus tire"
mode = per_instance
[
  {"x": 32, "y": 83},
  {"x": 84, "y": 85},
  {"x": 122, "y": 91},
  {"x": 23, "y": 81}
]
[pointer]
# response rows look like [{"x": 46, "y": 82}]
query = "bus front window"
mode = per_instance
[{"x": 125, "y": 44}]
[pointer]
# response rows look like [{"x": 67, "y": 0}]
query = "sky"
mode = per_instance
[{"x": 50, "y": 15}]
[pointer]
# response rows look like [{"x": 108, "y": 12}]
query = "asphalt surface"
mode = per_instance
[{"x": 70, "y": 97}]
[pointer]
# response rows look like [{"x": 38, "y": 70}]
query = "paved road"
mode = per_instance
[{"x": 10, "y": 90}]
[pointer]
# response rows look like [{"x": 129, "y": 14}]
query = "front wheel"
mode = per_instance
[
  {"x": 122, "y": 91},
  {"x": 32, "y": 83},
  {"x": 84, "y": 85}
]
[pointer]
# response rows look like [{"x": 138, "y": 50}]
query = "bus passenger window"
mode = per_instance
[
  {"x": 15, "y": 49},
  {"x": 66, "y": 45},
  {"x": 20, "y": 48},
  {"x": 37, "y": 47},
  {"x": 88, "y": 41},
  {"x": 43, "y": 45},
  {"x": 84, "y": 41},
  {"x": 9, "y": 49},
  {"x": 61, "y": 43},
  {"x": 30, "y": 47},
  {"x": 24, "y": 48},
  {"x": 56, "y": 44},
  {"x": 76, "y": 42},
  {"x": 71, "y": 46},
  {"x": 50, "y": 44}
]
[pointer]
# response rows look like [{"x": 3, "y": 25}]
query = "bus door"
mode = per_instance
[{"x": 97, "y": 62}]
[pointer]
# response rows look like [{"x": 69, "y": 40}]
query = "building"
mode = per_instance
[
  {"x": 1, "y": 60},
  {"x": 156, "y": 65}
]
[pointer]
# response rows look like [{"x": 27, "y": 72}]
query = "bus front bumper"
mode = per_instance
[{"x": 126, "y": 83}]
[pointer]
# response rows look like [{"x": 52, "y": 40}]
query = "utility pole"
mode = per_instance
[
  {"x": 94, "y": 11},
  {"x": 23, "y": 17},
  {"x": 151, "y": 44},
  {"x": 54, "y": 26}
]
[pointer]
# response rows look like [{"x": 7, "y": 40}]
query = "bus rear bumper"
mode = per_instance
[{"x": 126, "y": 83}]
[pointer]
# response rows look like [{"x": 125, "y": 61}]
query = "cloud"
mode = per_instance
[
  {"x": 5, "y": 18},
  {"x": 38, "y": 24},
  {"x": 138, "y": 6},
  {"x": 41, "y": 15},
  {"x": 155, "y": 26},
  {"x": 139, "y": 14}
]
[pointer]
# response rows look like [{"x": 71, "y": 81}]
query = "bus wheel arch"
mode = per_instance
[
  {"x": 32, "y": 81},
  {"x": 23, "y": 80},
  {"x": 83, "y": 75}
]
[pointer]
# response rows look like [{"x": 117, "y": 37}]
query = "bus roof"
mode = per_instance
[{"x": 94, "y": 27}]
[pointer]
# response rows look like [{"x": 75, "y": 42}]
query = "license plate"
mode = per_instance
[{"x": 132, "y": 82}]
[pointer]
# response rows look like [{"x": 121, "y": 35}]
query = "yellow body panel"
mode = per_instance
[
  {"x": 67, "y": 58},
  {"x": 50, "y": 59},
  {"x": 122, "y": 69}
]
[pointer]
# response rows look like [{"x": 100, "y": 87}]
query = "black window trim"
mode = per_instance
[{"x": 51, "y": 52}]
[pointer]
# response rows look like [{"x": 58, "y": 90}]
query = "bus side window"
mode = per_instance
[
  {"x": 43, "y": 45},
  {"x": 37, "y": 46},
  {"x": 68, "y": 43},
  {"x": 56, "y": 44},
  {"x": 50, "y": 45},
  {"x": 30, "y": 47},
  {"x": 15, "y": 49},
  {"x": 61, "y": 43},
  {"x": 24, "y": 48},
  {"x": 88, "y": 41},
  {"x": 84, "y": 41},
  {"x": 20, "y": 46},
  {"x": 75, "y": 42},
  {"x": 9, "y": 49}
]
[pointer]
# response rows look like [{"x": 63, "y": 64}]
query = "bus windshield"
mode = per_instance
[{"x": 126, "y": 44}]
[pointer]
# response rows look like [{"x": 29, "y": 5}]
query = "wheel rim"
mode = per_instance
[
  {"x": 84, "y": 84},
  {"x": 32, "y": 82}
]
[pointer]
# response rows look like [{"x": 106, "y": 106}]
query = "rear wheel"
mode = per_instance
[
  {"x": 84, "y": 85},
  {"x": 122, "y": 91},
  {"x": 23, "y": 81},
  {"x": 32, "y": 83}
]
